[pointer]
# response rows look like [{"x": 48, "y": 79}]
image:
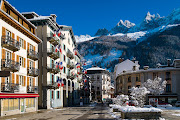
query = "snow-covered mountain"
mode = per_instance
[
  {"x": 153, "y": 40},
  {"x": 83, "y": 38}
]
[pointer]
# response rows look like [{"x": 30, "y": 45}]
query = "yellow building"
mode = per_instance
[{"x": 19, "y": 46}]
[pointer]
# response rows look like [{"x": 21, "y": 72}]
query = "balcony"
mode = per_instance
[
  {"x": 70, "y": 65},
  {"x": 32, "y": 89},
  {"x": 70, "y": 54},
  {"x": 9, "y": 87},
  {"x": 32, "y": 54},
  {"x": 52, "y": 39},
  {"x": 52, "y": 68},
  {"x": 10, "y": 65},
  {"x": 10, "y": 43},
  {"x": 51, "y": 85},
  {"x": 33, "y": 72},
  {"x": 71, "y": 77},
  {"x": 51, "y": 53}
]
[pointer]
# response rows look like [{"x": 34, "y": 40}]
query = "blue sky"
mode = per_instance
[{"x": 87, "y": 16}]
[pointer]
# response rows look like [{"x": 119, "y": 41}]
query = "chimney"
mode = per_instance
[
  {"x": 146, "y": 67},
  {"x": 54, "y": 17},
  {"x": 168, "y": 62},
  {"x": 121, "y": 60}
]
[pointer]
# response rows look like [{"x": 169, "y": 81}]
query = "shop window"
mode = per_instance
[
  {"x": 10, "y": 104},
  {"x": 30, "y": 102}
]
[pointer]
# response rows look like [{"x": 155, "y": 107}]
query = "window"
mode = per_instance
[
  {"x": 168, "y": 76},
  {"x": 10, "y": 104},
  {"x": 129, "y": 79},
  {"x": 68, "y": 40},
  {"x": 129, "y": 89},
  {"x": 168, "y": 87},
  {"x": 30, "y": 64},
  {"x": 64, "y": 47},
  {"x": 155, "y": 75},
  {"x": 30, "y": 102},
  {"x": 21, "y": 42},
  {"x": 98, "y": 88},
  {"x": 8, "y": 55},
  {"x": 52, "y": 95},
  {"x": 21, "y": 61},
  {"x": 98, "y": 92},
  {"x": 8, "y": 33},
  {"x": 138, "y": 86},
  {"x": 30, "y": 81},
  {"x": 64, "y": 58},
  {"x": 30, "y": 47},
  {"x": 98, "y": 77},
  {"x": 52, "y": 79},
  {"x": 137, "y": 79},
  {"x": 21, "y": 80},
  {"x": 7, "y": 80},
  {"x": 58, "y": 94},
  {"x": 64, "y": 69}
]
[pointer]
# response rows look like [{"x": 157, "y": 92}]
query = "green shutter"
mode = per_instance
[
  {"x": 50, "y": 95},
  {"x": 50, "y": 78},
  {"x": 50, "y": 62}
]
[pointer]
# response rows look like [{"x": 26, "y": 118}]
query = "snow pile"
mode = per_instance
[
  {"x": 167, "y": 105},
  {"x": 138, "y": 109},
  {"x": 176, "y": 115},
  {"x": 121, "y": 100},
  {"x": 83, "y": 38}
]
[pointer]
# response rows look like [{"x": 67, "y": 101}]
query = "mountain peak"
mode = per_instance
[
  {"x": 126, "y": 23},
  {"x": 150, "y": 17}
]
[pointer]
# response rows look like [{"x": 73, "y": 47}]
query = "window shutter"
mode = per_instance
[
  {"x": 50, "y": 94},
  {"x": 33, "y": 64},
  {"x": 3, "y": 54},
  {"x": 3, "y": 31},
  {"x": 28, "y": 63},
  {"x": 50, "y": 78},
  {"x": 17, "y": 58},
  {"x": 24, "y": 44},
  {"x": 27, "y": 81},
  {"x": 50, "y": 62},
  {"x": 13, "y": 78},
  {"x": 18, "y": 38},
  {"x": 13, "y": 56},
  {"x": 34, "y": 80},
  {"x": 28, "y": 46},
  {"x": 17, "y": 79},
  {"x": 34, "y": 48},
  {"x": 2, "y": 79},
  {"x": 24, "y": 62},
  {"x": 24, "y": 81},
  {"x": 13, "y": 36}
]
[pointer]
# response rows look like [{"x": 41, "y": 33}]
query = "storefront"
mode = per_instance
[{"x": 18, "y": 103}]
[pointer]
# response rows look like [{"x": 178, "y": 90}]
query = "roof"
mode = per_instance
[
  {"x": 95, "y": 68},
  {"x": 124, "y": 66}
]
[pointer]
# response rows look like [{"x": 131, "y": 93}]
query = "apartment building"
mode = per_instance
[
  {"x": 100, "y": 83},
  {"x": 72, "y": 67},
  {"x": 19, "y": 46},
  {"x": 58, "y": 46},
  {"x": 136, "y": 77}
]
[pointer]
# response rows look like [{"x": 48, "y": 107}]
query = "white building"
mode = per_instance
[{"x": 100, "y": 83}]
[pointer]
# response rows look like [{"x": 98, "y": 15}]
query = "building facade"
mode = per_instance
[
  {"x": 136, "y": 77},
  {"x": 59, "y": 61},
  {"x": 19, "y": 46},
  {"x": 100, "y": 83}
]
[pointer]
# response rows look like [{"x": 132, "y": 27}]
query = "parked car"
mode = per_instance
[{"x": 177, "y": 104}]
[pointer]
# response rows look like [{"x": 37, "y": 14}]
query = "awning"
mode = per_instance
[{"x": 16, "y": 95}]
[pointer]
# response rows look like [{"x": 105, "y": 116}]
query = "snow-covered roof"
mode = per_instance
[
  {"x": 125, "y": 66},
  {"x": 95, "y": 68},
  {"x": 30, "y": 13}
]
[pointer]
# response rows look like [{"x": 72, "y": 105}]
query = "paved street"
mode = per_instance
[{"x": 74, "y": 113}]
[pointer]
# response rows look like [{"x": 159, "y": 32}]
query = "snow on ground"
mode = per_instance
[
  {"x": 138, "y": 109},
  {"x": 83, "y": 38}
]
